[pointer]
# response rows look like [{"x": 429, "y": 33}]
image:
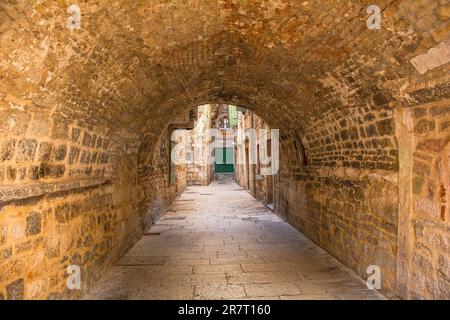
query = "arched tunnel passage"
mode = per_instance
[
  {"x": 216, "y": 240},
  {"x": 83, "y": 112}
]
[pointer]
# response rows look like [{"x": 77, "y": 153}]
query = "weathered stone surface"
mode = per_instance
[
  {"x": 424, "y": 126},
  {"x": 15, "y": 290},
  {"x": 33, "y": 223},
  {"x": 60, "y": 127},
  {"x": 62, "y": 213},
  {"x": 86, "y": 139},
  {"x": 430, "y": 203},
  {"x": 7, "y": 149},
  {"x": 386, "y": 127},
  {"x": 45, "y": 150},
  {"x": 60, "y": 152},
  {"x": 25, "y": 150},
  {"x": 73, "y": 155},
  {"x": 3, "y": 230},
  {"x": 418, "y": 183},
  {"x": 5, "y": 254},
  {"x": 430, "y": 145}
]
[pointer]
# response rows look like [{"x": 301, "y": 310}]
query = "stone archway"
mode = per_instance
[{"x": 82, "y": 112}]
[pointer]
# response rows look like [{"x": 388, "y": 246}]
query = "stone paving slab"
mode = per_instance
[{"x": 218, "y": 242}]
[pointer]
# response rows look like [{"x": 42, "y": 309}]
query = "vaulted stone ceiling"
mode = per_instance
[{"x": 135, "y": 64}]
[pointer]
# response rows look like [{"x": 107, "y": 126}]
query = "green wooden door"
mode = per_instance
[{"x": 224, "y": 160}]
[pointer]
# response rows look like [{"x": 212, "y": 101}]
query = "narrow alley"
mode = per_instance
[{"x": 218, "y": 242}]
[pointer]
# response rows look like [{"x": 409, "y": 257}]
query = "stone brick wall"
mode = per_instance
[
  {"x": 200, "y": 169},
  {"x": 69, "y": 196},
  {"x": 345, "y": 194},
  {"x": 430, "y": 270},
  {"x": 155, "y": 192},
  {"x": 60, "y": 201},
  {"x": 338, "y": 185},
  {"x": 354, "y": 217},
  {"x": 85, "y": 226},
  {"x": 38, "y": 150},
  {"x": 346, "y": 197},
  {"x": 354, "y": 138}
]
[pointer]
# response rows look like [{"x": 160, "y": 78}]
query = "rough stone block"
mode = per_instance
[
  {"x": 15, "y": 290},
  {"x": 3, "y": 230},
  {"x": 431, "y": 145},
  {"x": 5, "y": 254},
  {"x": 371, "y": 130},
  {"x": 424, "y": 126},
  {"x": 62, "y": 213},
  {"x": 33, "y": 223},
  {"x": 75, "y": 134},
  {"x": 386, "y": 127},
  {"x": 26, "y": 150},
  {"x": 45, "y": 150},
  {"x": 7, "y": 149},
  {"x": 60, "y": 152},
  {"x": 73, "y": 155},
  {"x": 60, "y": 128},
  {"x": 86, "y": 139},
  {"x": 418, "y": 183}
]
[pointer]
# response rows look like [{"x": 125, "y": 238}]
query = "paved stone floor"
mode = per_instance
[{"x": 218, "y": 242}]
